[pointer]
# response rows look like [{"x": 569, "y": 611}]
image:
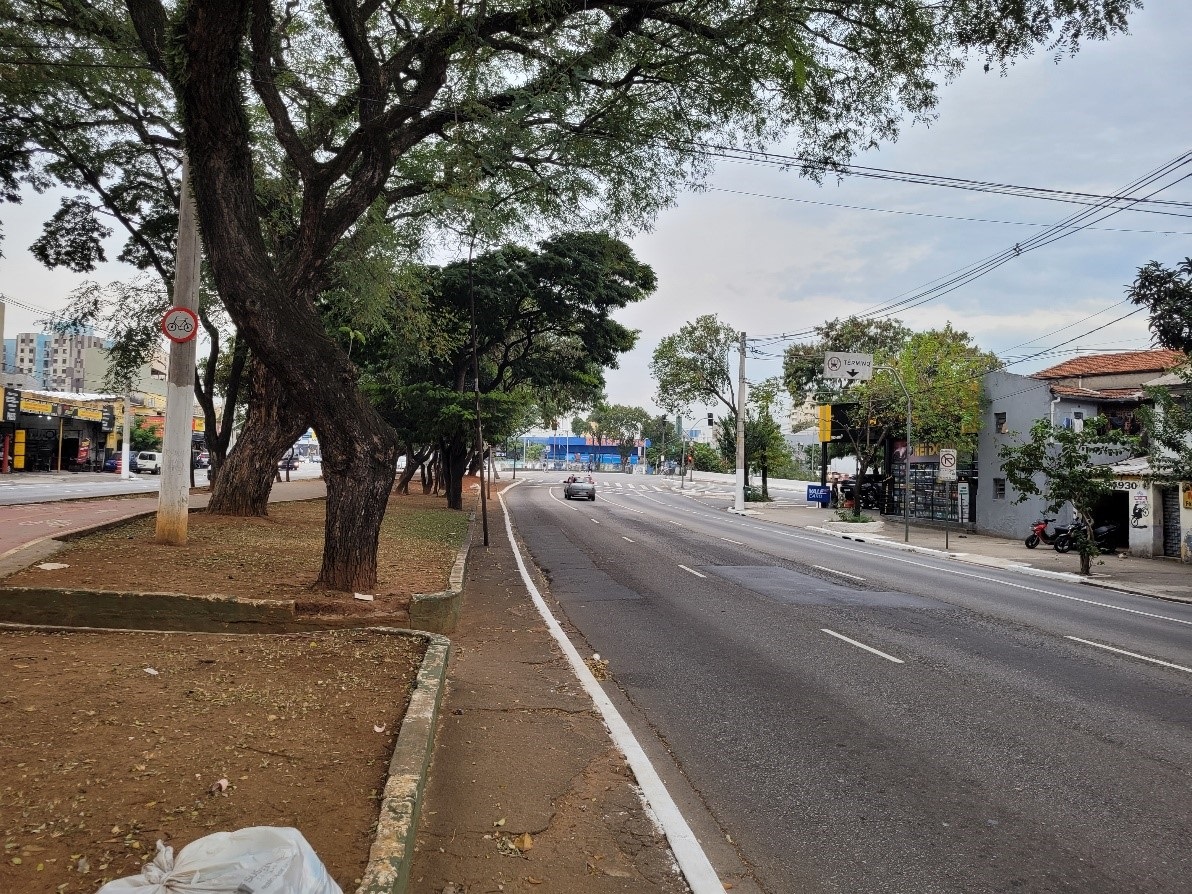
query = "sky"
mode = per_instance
[{"x": 756, "y": 250}]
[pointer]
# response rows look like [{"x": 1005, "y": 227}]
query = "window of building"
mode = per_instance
[
  {"x": 999, "y": 488},
  {"x": 999, "y": 423}
]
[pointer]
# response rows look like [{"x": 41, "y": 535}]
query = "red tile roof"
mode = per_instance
[
  {"x": 1159, "y": 360},
  {"x": 1098, "y": 393}
]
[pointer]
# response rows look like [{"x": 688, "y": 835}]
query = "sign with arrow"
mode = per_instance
[
  {"x": 947, "y": 465},
  {"x": 850, "y": 367}
]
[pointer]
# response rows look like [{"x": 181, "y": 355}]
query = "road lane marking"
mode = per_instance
[
  {"x": 738, "y": 542},
  {"x": 692, "y": 571},
  {"x": 1089, "y": 642},
  {"x": 834, "y": 571},
  {"x": 595, "y": 522},
  {"x": 884, "y": 554},
  {"x": 862, "y": 646},
  {"x": 623, "y": 537},
  {"x": 697, "y": 869}
]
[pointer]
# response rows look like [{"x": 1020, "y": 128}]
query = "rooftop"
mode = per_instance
[{"x": 1159, "y": 360}]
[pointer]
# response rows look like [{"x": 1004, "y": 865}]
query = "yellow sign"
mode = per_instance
[
  {"x": 29, "y": 405},
  {"x": 825, "y": 422},
  {"x": 89, "y": 413},
  {"x": 198, "y": 424}
]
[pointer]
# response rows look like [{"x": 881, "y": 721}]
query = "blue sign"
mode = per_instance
[{"x": 819, "y": 493}]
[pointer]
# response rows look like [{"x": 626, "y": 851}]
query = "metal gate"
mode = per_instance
[{"x": 1171, "y": 521}]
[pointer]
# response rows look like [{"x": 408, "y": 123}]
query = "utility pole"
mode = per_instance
[
  {"x": 173, "y": 499},
  {"x": 476, "y": 386},
  {"x": 125, "y": 446},
  {"x": 741, "y": 395}
]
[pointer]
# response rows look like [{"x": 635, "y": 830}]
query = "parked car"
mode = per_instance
[
  {"x": 289, "y": 464},
  {"x": 202, "y": 459},
  {"x": 112, "y": 463},
  {"x": 575, "y": 487},
  {"x": 149, "y": 461}
]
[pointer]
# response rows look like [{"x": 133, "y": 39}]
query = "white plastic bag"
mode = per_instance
[{"x": 259, "y": 860}]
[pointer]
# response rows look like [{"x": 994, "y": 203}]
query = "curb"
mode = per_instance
[
  {"x": 439, "y": 612},
  {"x": 391, "y": 857}
]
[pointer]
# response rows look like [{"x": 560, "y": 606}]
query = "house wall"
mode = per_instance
[
  {"x": 1146, "y": 531},
  {"x": 1024, "y": 400}
]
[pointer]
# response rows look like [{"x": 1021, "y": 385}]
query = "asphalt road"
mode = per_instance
[{"x": 861, "y": 720}]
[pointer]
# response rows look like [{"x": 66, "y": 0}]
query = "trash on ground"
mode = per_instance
[
  {"x": 364, "y": 597},
  {"x": 52, "y": 566},
  {"x": 261, "y": 859}
]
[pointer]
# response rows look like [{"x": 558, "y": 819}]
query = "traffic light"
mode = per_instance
[
  {"x": 690, "y": 460},
  {"x": 711, "y": 422}
]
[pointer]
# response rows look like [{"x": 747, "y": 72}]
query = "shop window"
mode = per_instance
[{"x": 999, "y": 488}]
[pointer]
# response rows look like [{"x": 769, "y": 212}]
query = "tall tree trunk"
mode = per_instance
[
  {"x": 271, "y": 427},
  {"x": 454, "y": 454},
  {"x": 414, "y": 461}
]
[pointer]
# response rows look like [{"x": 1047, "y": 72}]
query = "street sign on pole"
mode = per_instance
[
  {"x": 947, "y": 465},
  {"x": 850, "y": 367}
]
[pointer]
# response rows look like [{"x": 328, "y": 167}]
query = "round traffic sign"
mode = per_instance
[
  {"x": 947, "y": 459},
  {"x": 834, "y": 363},
  {"x": 180, "y": 324}
]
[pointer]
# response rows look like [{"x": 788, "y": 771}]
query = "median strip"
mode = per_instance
[{"x": 862, "y": 646}]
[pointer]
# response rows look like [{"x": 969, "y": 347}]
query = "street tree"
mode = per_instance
[
  {"x": 1167, "y": 293},
  {"x": 544, "y": 335},
  {"x": 694, "y": 366},
  {"x": 619, "y": 424},
  {"x": 574, "y": 111},
  {"x": 1074, "y": 467}
]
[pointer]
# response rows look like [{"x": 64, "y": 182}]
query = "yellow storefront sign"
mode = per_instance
[{"x": 42, "y": 407}]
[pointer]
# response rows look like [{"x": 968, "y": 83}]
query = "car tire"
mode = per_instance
[{"x": 592, "y": 498}]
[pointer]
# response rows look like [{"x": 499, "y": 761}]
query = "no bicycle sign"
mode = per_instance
[{"x": 180, "y": 324}]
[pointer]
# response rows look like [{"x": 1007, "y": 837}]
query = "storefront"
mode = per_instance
[
  {"x": 46, "y": 431},
  {"x": 1156, "y": 519}
]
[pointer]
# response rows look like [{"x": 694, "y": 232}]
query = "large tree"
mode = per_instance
[
  {"x": 694, "y": 366},
  {"x": 1167, "y": 293},
  {"x": 571, "y": 109},
  {"x": 1074, "y": 467}
]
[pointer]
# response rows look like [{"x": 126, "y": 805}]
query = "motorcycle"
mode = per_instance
[
  {"x": 1039, "y": 533},
  {"x": 1102, "y": 536}
]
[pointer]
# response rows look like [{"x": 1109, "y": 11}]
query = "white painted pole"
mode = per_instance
[
  {"x": 173, "y": 499},
  {"x": 125, "y": 446},
  {"x": 741, "y": 396}
]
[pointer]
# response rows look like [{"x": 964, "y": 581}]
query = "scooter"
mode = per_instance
[
  {"x": 1102, "y": 536},
  {"x": 1039, "y": 533}
]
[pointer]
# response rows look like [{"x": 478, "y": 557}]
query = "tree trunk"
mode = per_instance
[
  {"x": 454, "y": 454},
  {"x": 271, "y": 427}
]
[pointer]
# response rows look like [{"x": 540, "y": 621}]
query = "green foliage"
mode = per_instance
[
  {"x": 73, "y": 238},
  {"x": 1074, "y": 466},
  {"x": 707, "y": 458},
  {"x": 535, "y": 452},
  {"x": 619, "y": 424},
  {"x": 692, "y": 366},
  {"x": 1167, "y": 293},
  {"x": 854, "y": 516},
  {"x": 142, "y": 436},
  {"x": 1167, "y": 424}
]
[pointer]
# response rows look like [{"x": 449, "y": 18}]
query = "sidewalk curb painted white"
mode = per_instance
[{"x": 693, "y": 862}]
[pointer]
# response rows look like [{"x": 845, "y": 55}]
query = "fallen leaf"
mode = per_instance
[
  {"x": 151, "y": 672},
  {"x": 219, "y": 786},
  {"x": 524, "y": 842},
  {"x": 499, "y": 822}
]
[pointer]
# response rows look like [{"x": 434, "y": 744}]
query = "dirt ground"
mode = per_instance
[
  {"x": 112, "y": 741},
  {"x": 264, "y": 558}
]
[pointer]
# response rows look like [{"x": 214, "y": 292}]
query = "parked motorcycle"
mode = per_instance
[
  {"x": 1102, "y": 536},
  {"x": 1039, "y": 533}
]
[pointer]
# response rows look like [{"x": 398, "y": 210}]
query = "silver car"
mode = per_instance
[{"x": 580, "y": 488}]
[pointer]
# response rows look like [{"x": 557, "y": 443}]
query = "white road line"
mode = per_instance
[
  {"x": 834, "y": 571},
  {"x": 623, "y": 537},
  {"x": 623, "y": 506},
  {"x": 659, "y": 489},
  {"x": 884, "y": 554},
  {"x": 862, "y": 646},
  {"x": 692, "y": 571},
  {"x": 738, "y": 542},
  {"x": 694, "y": 863},
  {"x": 673, "y": 522},
  {"x": 1089, "y": 642},
  {"x": 595, "y": 522}
]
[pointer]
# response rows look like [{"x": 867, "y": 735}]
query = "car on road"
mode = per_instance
[
  {"x": 288, "y": 464},
  {"x": 575, "y": 488},
  {"x": 202, "y": 459},
  {"x": 148, "y": 461}
]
